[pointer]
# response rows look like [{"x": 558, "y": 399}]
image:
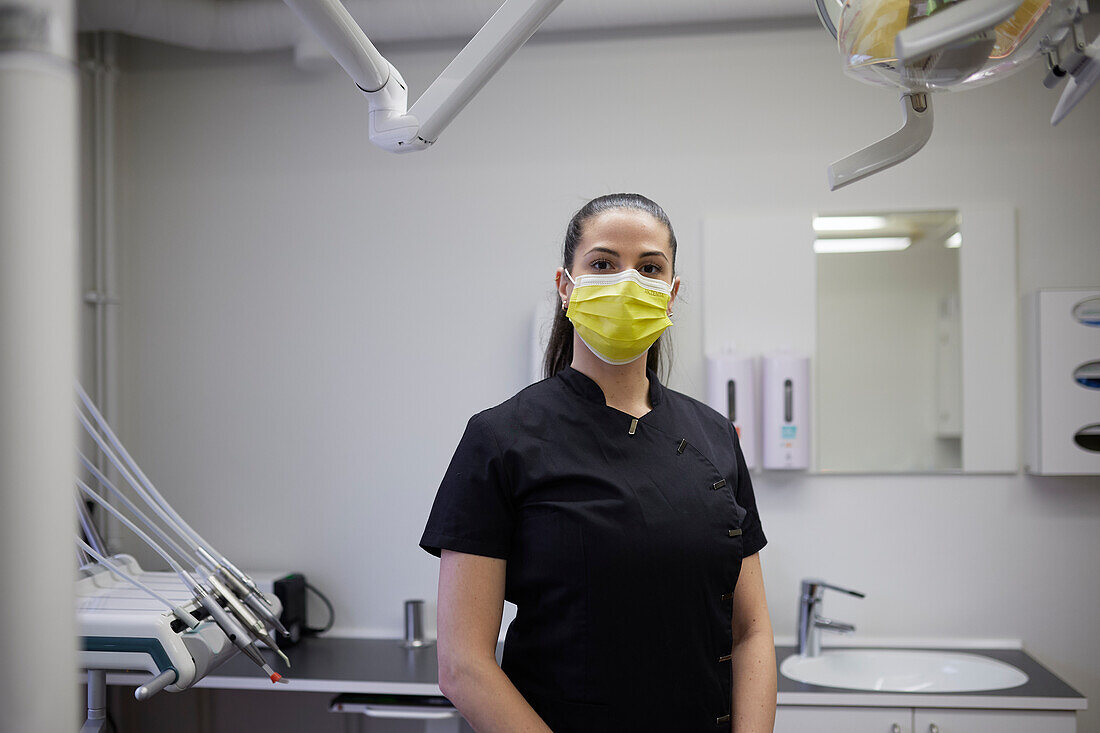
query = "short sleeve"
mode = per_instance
[
  {"x": 752, "y": 532},
  {"x": 473, "y": 510}
]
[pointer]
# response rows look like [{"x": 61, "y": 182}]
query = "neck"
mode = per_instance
[{"x": 625, "y": 386}]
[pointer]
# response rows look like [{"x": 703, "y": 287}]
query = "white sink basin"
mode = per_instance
[{"x": 902, "y": 670}]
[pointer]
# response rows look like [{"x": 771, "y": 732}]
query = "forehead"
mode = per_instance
[{"x": 625, "y": 229}]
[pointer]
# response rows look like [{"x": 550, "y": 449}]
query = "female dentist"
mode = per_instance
[{"x": 617, "y": 514}]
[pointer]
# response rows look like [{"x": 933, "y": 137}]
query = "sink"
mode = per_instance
[{"x": 902, "y": 670}]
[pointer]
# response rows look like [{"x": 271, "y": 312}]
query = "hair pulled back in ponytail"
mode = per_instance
[{"x": 559, "y": 350}]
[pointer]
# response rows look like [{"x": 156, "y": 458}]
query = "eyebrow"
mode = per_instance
[{"x": 651, "y": 253}]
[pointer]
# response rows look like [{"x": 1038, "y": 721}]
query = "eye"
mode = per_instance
[
  {"x": 600, "y": 265},
  {"x": 650, "y": 269}
]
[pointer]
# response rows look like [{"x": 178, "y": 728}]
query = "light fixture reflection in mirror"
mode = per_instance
[{"x": 888, "y": 364}]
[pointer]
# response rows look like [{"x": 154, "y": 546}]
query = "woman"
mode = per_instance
[{"x": 616, "y": 514}]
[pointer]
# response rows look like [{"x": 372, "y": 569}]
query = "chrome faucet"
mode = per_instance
[{"x": 810, "y": 621}]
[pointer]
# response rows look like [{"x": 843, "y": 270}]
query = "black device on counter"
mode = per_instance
[
  {"x": 291, "y": 592},
  {"x": 290, "y": 589}
]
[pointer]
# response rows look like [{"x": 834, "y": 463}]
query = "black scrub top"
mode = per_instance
[{"x": 623, "y": 551}]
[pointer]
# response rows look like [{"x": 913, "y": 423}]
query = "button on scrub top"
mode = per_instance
[{"x": 624, "y": 539}]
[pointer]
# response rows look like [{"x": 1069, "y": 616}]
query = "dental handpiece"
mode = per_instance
[
  {"x": 243, "y": 578},
  {"x": 237, "y": 634},
  {"x": 260, "y": 605},
  {"x": 236, "y": 607},
  {"x": 245, "y": 588},
  {"x": 254, "y": 599},
  {"x": 250, "y": 622}
]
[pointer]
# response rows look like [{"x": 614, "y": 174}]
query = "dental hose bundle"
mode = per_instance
[{"x": 229, "y": 597}]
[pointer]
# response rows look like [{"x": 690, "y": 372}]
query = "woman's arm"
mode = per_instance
[
  {"x": 754, "y": 676},
  {"x": 471, "y": 603}
]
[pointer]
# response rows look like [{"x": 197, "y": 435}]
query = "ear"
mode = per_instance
[
  {"x": 675, "y": 290},
  {"x": 563, "y": 285}
]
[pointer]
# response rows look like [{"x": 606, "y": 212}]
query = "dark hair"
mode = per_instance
[{"x": 559, "y": 350}]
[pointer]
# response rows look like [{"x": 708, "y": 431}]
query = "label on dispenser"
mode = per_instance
[{"x": 787, "y": 431}]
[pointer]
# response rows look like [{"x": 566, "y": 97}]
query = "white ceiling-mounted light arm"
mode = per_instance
[
  {"x": 951, "y": 25},
  {"x": 393, "y": 126},
  {"x": 1084, "y": 71},
  {"x": 891, "y": 150},
  {"x": 387, "y": 94}
]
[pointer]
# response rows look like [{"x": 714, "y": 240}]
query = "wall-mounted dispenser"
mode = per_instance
[
  {"x": 1062, "y": 382},
  {"x": 731, "y": 390},
  {"x": 785, "y": 431}
]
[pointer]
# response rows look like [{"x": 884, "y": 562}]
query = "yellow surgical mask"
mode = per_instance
[{"x": 620, "y": 315}]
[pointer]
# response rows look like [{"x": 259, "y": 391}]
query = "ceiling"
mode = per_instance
[{"x": 388, "y": 21}]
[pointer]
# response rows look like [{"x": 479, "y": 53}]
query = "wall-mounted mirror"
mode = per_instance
[
  {"x": 913, "y": 349},
  {"x": 888, "y": 353}
]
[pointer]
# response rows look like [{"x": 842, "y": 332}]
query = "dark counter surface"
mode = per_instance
[{"x": 384, "y": 666}]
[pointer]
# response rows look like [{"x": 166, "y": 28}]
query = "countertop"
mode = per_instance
[{"x": 383, "y": 666}]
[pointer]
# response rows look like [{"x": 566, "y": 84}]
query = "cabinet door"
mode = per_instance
[
  {"x": 830, "y": 719},
  {"x": 931, "y": 720}
]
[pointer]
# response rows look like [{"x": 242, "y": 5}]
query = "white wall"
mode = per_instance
[{"x": 308, "y": 322}]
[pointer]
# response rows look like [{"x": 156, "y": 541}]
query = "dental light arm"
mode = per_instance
[
  {"x": 346, "y": 41},
  {"x": 1083, "y": 69},
  {"x": 948, "y": 45},
  {"x": 950, "y": 25},
  {"x": 393, "y": 126},
  {"x": 915, "y": 131}
]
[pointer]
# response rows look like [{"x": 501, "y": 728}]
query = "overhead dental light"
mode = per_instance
[
  {"x": 393, "y": 125},
  {"x": 934, "y": 45}
]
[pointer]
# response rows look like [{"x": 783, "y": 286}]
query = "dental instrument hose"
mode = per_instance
[
  {"x": 116, "y": 454},
  {"x": 243, "y": 633},
  {"x": 254, "y": 626},
  {"x": 179, "y": 613},
  {"x": 187, "y": 579},
  {"x": 145, "y": 483},
  {"x": 163, "y": 535},
  {"x": 129, "y": 477},
  {"x": 237, "y": 634},
  {"x": 151, "y": 490}
]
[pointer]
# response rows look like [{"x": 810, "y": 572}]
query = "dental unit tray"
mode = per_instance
[
  {"x": 177, "y": 625},
  {"x": 122, "y": 629}
]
